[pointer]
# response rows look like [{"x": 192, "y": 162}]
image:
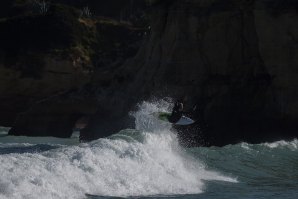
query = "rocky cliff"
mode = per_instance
[
  {"x": 49, "y": 59},
  {"x": 234, "y": 59}
]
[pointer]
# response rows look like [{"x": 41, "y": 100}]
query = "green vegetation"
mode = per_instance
[
  {"x": 33, "y": 35},
  {"x": 62, "y": 31}
]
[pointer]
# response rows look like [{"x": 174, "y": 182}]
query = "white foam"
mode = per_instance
[
  {"x": 144, "y": 119},
  {"x": 292, "y": 145},
  {"x": 109, "y": 167},
  {"x": 4, "y": 130}
]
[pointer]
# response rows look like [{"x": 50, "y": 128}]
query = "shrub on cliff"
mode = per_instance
[
  {"x": 27, "y": 38},
  {"x": 58, "y": 28}
]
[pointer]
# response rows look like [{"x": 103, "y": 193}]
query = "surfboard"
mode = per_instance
[
  {"x": 185, "y": 121},
  {"x": 182, "y": 121}
]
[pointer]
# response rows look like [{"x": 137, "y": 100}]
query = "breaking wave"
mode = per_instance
[{"x": 143, "y": 161}]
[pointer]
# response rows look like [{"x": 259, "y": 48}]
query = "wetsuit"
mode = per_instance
[{"x": 176, "y": 113}]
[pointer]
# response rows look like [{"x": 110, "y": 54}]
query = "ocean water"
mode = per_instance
[{"x": 145, "y": 162}]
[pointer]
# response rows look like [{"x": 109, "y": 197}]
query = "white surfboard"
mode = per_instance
[{"x": 182, "y": 121}]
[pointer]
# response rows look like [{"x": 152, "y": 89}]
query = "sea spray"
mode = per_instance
[{"x": 144, "y": 161}]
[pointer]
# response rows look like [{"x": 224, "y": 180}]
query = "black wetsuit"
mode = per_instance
[{"x": 176, "y": 113}]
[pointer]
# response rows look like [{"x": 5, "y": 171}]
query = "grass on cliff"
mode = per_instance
[{"x": 63, "y": 33}]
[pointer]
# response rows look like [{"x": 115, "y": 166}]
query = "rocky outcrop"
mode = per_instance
[
  {"x": 235, "y": 60},
  {"x": 33, "y": 64},
  {"x": 55, "y": 64},
  {"x": 19, "y": 91},
  {"x": 55, "y": 116}
]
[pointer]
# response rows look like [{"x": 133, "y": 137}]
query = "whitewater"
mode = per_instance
[{"x": 145, "y": 162}]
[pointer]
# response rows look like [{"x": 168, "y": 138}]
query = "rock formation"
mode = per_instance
[
  {"x": 234, "y": 59},
  {"x": 48, "y": 62}
]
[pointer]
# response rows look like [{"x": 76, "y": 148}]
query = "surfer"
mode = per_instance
[
  {"x": 178, "y": 116},
  {"x": 176, "y": 112}
]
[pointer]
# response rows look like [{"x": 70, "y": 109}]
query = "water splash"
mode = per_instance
[
  {"x": 145, "y": 161},
  {"x": 144, "y": 117},
  {"x": 292, "y": 145}
]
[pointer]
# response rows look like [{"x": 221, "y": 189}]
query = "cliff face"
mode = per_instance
[
  {"x": 19, "y": 92},
  {"x": 235, "y": 60},
  {"x": 33, "y": 64},
  {"x": 238, "y": 61},
  {"x": 48, "y": 62}
]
